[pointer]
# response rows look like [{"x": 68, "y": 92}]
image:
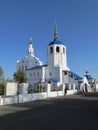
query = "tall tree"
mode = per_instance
[
  {"x": 20, "y": 77},
  {"x": 1, "y": 75},
  {"x": 1, "y": 81}
]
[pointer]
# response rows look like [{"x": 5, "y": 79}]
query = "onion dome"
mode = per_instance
[
  {"x": 88, "y": 76},
  {"x": 55, "y": 41}
]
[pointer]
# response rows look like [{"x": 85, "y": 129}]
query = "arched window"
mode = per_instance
[
  {"x": 34, "y": 74},
  {"x": 57, "y": 49},
  {"x": 63, "y": 50},
  {"x": 50, "y": 74},
  {"x": 30, "y": 74},
  {"x": 22, "y": 68},
  {"x": 37, "y": 73},
  {"x": 25, "y": 67},
  {"x": 19, "y": 68},
  {"x": 51, "y": 49}
]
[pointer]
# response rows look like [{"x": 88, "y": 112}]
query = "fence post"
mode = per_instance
[{"x": 48, "y": 90}]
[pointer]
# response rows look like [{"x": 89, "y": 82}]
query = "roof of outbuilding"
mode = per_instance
[
  {"x": 75, "y": 75},
  {"x": 88, "y": 76}
]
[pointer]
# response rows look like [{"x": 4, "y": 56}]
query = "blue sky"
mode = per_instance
[{"x": 77, "y": 25}]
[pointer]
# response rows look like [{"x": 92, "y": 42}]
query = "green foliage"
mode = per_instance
[
  {"x": 9, "y": 80},
  {"x": 1, "y": 74},
  {"x": 2, "y": 81},
  {"x": 20, "y": 77},
  {"x": 31, "y": 91},
  {"x": 1, "y": 89}
]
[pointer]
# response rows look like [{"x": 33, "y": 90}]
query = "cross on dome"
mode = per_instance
[{"x": 55, "y": 31}]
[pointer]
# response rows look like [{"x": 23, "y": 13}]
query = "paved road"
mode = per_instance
[{"x": 75, "y": 112}]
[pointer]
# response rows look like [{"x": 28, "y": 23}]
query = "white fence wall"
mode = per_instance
[
  {"x": 8, "y": 100},
  {"x": 5, "y": 100}
]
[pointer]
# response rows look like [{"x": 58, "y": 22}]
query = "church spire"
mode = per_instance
[
  {"x": 55, "y": 31},
  {"x": 30, "y": 49},
  {"x": 30, "y": 40}
]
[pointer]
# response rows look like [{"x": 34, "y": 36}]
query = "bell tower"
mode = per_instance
[{"x": 56, "y": 52}]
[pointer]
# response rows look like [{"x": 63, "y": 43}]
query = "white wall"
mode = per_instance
[
  {"x": 23, "y": 88},
  {"x": 31, "y": 97},
  {"x": 35, "y": 75},
  {"x": 11, "y": 88}
]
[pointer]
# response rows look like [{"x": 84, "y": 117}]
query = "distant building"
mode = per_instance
[
  {"x": 55, "y": 69},
  {"x": 88, "y": 84}
]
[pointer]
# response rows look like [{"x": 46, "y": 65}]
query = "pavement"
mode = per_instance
[{"x": 73, "y": 112}]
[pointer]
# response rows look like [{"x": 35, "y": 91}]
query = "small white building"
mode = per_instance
[
  {"x": 55, "y": 69},
  {"x": 88, "y": 84}
]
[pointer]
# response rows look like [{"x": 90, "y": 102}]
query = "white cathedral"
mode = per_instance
[{"x": 55, "y": 70}]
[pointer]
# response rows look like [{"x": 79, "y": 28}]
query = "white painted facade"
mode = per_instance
[
  {"x": 55, "y": 70},
  {"x": 30, "y": 60}
]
